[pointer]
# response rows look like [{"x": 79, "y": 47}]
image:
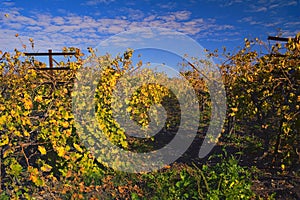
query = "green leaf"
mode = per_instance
[{"x": 16, "y": 168}]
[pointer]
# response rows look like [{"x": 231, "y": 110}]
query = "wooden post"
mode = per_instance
[
  {"x": 50, "y": 55},
  {"x": 50, "y": 58}
]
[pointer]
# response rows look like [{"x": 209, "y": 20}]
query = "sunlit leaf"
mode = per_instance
[{"x": 42, "y": 150}]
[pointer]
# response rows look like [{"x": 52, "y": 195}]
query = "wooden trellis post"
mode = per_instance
[{"x": 50, "y": 54}]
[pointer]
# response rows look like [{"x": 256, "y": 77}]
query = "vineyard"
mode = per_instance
[{"x": 44, "y": 156}]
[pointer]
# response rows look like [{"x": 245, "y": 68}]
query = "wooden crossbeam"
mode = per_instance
[
  {"x": 54, "y": 54},
  {"x": 56, "y": 68},
  {"x": 50, "y": 54},
  {"x": 278, "y": 38}
]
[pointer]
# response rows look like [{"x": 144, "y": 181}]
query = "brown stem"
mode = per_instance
[
  {"x": 25, "y": 156},
  {"x": 277, "y": 145}
]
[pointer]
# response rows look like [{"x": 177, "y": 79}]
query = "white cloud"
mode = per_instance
[
  {"x": 115, "y": 29},
  {"x": 58, "y": 20},
  {"x": 182, "y": 15},
  {"x": 245, "y": 19},
  {"x": 292, "y": 3},
  {"x": 96, "y": 2},
  {"x": 263, "y": 5},
  {"x": 49, "y": 31},
  {"x": 294, "y": 23},
  {"x": 169, "y": 5},
  {"x": 34, "y": 28},
  {"x": 132, "y": 14},
  {"x": 261, "y": 9},
  {"x": 268, "y": 23},
  {"x": 150, "y": 18},
  {"x": 227, "y": 3},
  {"x": 274, "y": 6},
  {"x": 7, "y": 3}
]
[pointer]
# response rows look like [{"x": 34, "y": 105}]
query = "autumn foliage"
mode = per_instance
[{"x": 42, "y": 154}]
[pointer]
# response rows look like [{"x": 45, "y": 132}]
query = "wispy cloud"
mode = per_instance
[
  {"x": 54, "y": 32},
  {"x": 96, "y": 2},
  {"x": 182, "y": 15},
  {"x": 169, "y": 5},
  {"x": 260, "y": 9},
  {"x": 228, "y": 3},
  {"x": 7, "y": 3},
  {"x": 273, "y": 23},
  {"x": 131, "y": 14},
  {"x": 256, "y": 6},
  {"x": 263, "y": 6}
]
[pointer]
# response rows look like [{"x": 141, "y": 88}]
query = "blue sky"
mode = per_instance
[{"x": 54, "y": 24}]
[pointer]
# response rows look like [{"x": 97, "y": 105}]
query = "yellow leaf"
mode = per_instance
[
  {"x": 25, "y": 121},
  {"x": 7, "y": 152},
  {"x": 13, "y": 112},
  {"x": 17, "y": 133},
  {"x": 60, "y": 151},
  {"x": 232, "y": 114},
  {"x": 38, "y": 98},
  {"x": 27, "y": 104},
  {"x": 3, "y": 119},
  {"x": 42, "y": 150},
  {"x": 129, "y": 109},
  {"x": 68, "y": 132},
  {"x": 65, "y": 124},
  {"x": 26, "y": 134},
  {"x": 234, "y": 109},
  {"x": 4, "y": 140},
  {"x": 77, "y": 147},
  {"x": 124, "y": 143},
  {"x": 250, "y": 78},
  {"x": 46, "y": 168},
  {"x": 65, "y": 90},
  {"x": 33, "y": 178}
]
